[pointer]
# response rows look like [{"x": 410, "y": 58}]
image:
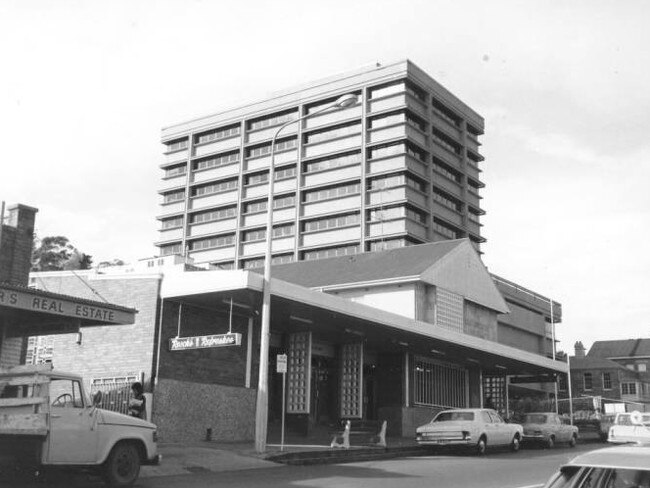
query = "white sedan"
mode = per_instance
[{"x": 472, "y": 427}]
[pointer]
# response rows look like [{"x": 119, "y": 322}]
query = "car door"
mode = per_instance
[
  {"x": 73, "y": 437},
  {"x": 501, "y": 429},
  {"x": 556, "y": 428}
]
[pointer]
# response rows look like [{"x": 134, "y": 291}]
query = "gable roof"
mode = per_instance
[
  {"x": 595, "y": 363},
  {"x": 620, "y": 348},
  {"x": 453, "y": 265}
]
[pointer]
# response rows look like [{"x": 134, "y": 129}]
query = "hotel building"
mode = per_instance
[{"x": 399, "y": 167}]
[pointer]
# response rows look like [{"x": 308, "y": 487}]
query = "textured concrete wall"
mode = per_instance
[
  {"x": 521, "y": 339},
  {"x": 480, "y": 322},
  {"x": 183, "y": 411}
]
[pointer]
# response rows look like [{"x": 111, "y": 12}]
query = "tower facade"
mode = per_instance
[{"x": 400, "y": 167}]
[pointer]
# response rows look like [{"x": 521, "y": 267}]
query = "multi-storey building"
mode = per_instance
[{"x": 399, "y": 167}]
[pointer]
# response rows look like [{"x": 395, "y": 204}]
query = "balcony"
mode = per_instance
[
  {"x": 213, "y": 200},
  {"x": 397, "y": 163},
  {"x": 447, "y": 214},
  {"x": 440, "y": 121},
  {"x": 397, "y": 226},
  {"x": 450, "y": 186},
  {"x": 173, "y": 183},
  {"x": 352, "y": 202},
  {"x": 207, "y": 255},
  {"x": 170, "y": 234},
  {"x": 472, "y": 170},
  {"x": 473, "y": 227},
  {"x": 333, "y": 117},
  {"x": 331, "y": 236},
  {"x": 215, "y": 173},
  {"x": 172, "y": 208},
  {"x": 259, "y": 247},
  {"x": 281, "y": 215},
  {"x": 396, "y": 131},
  {"x": 206, "y": 228},
  {"x": 451, "y": 158},
  {"x": 335, "y": 145},
  {"x": 217, "y": 146},
  {"x": 268, "y": 133},
  {"x": 396, "y": 194},
  {"x": 263, "y": 190},
  {"x": 264, "y": 162},
  {"x": 176, "y": 156},
  {"x": 472, "y": 197},
  {"x": 332, "y": 175}
]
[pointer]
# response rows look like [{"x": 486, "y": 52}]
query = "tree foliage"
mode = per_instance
[{"x": 55, "y": 253}]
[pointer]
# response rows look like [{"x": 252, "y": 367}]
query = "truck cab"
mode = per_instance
[{"x": 47, "y": 418}]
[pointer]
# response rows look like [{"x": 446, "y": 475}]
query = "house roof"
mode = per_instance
[
  {"x": 620, "y": 348},
  {"x": 453, "y": 265},
  {"x": 595, "y": 363}
]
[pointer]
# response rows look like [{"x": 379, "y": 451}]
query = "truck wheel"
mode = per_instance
[
  {"x": 550, "y": 442},
  {"x": 123, "y": 465},
  {"x": 573, "y": 441},
  {"x": 515, "y": 444}
]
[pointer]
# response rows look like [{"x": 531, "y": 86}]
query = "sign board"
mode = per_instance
[
  {"x": 67, "y": 307},
  {"x": 204, "y": 342},
  {"x": 540, "y": 378},
  {"x": 281, "y": 363}
]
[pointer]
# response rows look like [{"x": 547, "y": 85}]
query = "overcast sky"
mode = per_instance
[{"x": 563, "y": 87}]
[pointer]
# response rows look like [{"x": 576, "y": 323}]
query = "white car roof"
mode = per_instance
[{"x": 626, "y": 457}]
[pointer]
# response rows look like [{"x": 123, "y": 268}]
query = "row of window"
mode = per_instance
[
  {"x": 381, "y": 214},
  {"x": 391, "y": 181},
  {"x": 217, "y": 134},
  {"x": 332, "y": 162},
  {"x": 333, "y": 133},
  {"x": 446, "y": 200},
  {"x": 271, "y": 120},
  {"x": 331, "y": 222},
  {"x": 264, "y": 149},
  {"x": 260, "y": 234}
]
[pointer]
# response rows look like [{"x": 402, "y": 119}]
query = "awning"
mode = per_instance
[{"x": 28, "y": 311}]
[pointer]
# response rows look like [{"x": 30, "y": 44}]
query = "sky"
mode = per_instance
[{"x": 86, "y": 87}]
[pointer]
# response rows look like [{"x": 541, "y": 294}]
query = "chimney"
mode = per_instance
[
  {"x": 16, "y": 242},
  {"x": 580, "y": 349}
]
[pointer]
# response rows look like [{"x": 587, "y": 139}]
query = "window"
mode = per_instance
[
  {"x": 66, "y": 394},
  {"x": 385, "y": 90},
  {"x": 438, "y": 384},
  {"x": 331, "y": 192},
  {"x": 214, "y": 188},
  {"x": 444, "y": 141},
  {"x": 443, "y": 112},
  {"x": 227, "y": 265},
  {"x": 331, "y": 222},
  {"x": 177, "y": 170},
  {"x": 271, "y": 120},
  {"x": 177, "y": 145},
  {"x": 171, "y": 249},
  {"x": 641, "y": 367},
  {"x": 386, "y": 244},
  {"x": 174, "y": 196},
  {"x": 278, "y": 202},
  {"x": 172, "y": 223},
  {"x": 449, "y": 310},
  {"x": 393, "y": 149},
  {"x": 444, "y": 230},
  {"x": 382, "y": 214},
  {"x": 562, "y": 384},
  {"x": 331, "y": 163},
  {"x": 253, "y": 263},
  {"x": 219, "y": 241},
  {"x": 394, "y": 181},
  {"x": 212, "y": 215},
  {"x": 587, "y": 381},
  {"x": 264, "y": 149},
  {"x": 445, "y": 170},
  {"x": 333, "y": 133},
  {"x": 446, "y": 200},
  {"x": 285, "y": 258},
  {"x": 254, "y": 235},
  {"x": 607, "y": 381},
  {"x": 216, "y": 161},
  {"x": 628, "y": 388},
  {"x": 330, "y": 252},
  {"x": 215, "y": 135}
]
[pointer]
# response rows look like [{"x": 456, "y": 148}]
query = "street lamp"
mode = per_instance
[{"x": 262, "y": 407}]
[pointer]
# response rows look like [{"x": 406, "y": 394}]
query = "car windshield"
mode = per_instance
[
  {"x": 535, "y": 418},
  {"x": 448, "y": 416}
]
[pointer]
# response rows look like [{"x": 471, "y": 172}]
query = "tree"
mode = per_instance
[{"x": 55, "y": 253}]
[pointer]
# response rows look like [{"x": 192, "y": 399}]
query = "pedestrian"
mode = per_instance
[
  {"x": 138, "y": 404},
  {"x": 489, "y": 403}
]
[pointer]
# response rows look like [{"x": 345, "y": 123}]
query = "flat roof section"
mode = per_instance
[{"x": 27, "y": 311}]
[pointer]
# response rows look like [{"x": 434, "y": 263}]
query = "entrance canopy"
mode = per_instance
[
  {"x": 27, "y": 311},
  {"x": 337, "y": 320}
]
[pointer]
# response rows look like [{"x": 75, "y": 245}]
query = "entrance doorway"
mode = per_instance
[{"x": 324, "y": 391}]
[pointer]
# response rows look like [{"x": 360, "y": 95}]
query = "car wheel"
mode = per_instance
[
  {"x": 550, "y": 442},
  {"x": 123, "y": 465},
  {"x": 481, "y": 446},
  {"x": 573, "y": 441},
  {"x": 515, "y": 444}
]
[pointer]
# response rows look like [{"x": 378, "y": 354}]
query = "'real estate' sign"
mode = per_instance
[{"x": 201, "y": 342}]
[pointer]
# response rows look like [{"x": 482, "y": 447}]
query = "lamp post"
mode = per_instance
[{"x": 262, "y": 406}]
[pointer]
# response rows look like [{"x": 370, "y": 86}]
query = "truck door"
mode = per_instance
[{"x": 73, "y": 433}]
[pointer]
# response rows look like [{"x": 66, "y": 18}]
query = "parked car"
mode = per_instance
[
  {"x": 630, "y": 427},
  {"x": 548, "y": 428},
  {"x": 476, "y": 428},
  {"x": 611, "y": 467}
]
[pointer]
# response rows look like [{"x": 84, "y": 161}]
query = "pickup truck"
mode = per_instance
[{"x": 47, "y": 420}]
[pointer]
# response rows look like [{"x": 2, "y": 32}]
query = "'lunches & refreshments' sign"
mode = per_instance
[{"x": 203, "y": 342}]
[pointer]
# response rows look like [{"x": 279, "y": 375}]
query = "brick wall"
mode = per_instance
[
  {"x": 17, "y": 243},
  {"x": 111, "y": 350}
]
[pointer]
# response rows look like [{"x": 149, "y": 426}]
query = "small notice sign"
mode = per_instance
[
  {"x": 202, "y": 342},
  {"x": 281, "y": 363}
]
